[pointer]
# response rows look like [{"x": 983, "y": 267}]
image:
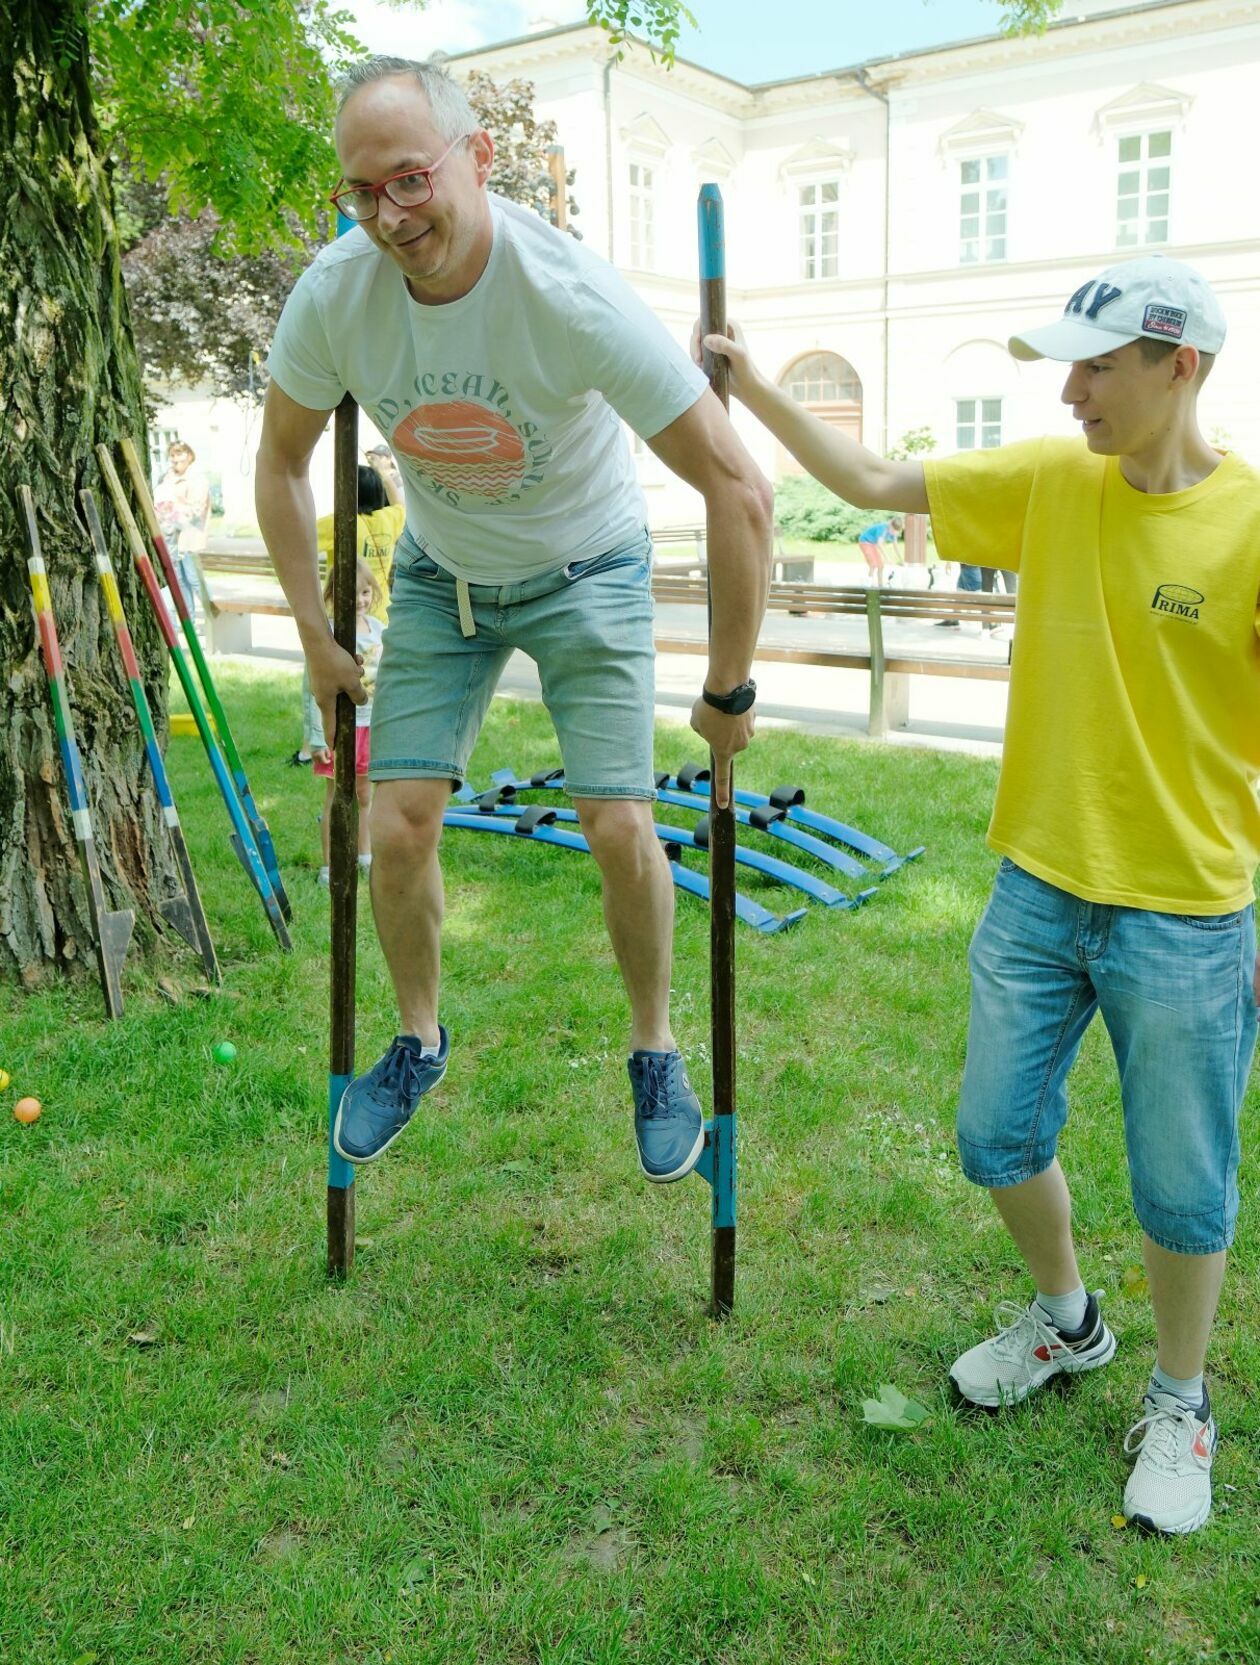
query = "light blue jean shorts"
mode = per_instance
[
  {"x": 586, "y": 625},
  {"x": 1175, "y": 992}
]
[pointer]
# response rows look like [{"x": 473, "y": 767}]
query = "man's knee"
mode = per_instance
[
  {"x": 620, "y": 832},
  {"x": 406, "y": 817}
]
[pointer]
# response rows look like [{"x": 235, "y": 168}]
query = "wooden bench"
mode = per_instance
[
  {"x": 229, "y": 630},
  {"x": 890, "y": 672}
]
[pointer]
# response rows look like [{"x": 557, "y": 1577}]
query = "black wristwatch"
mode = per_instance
[{"x": 736, "y": 702}]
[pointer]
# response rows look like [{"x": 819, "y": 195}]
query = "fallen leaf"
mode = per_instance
[
  {"x": 169, "y": 990},
  {"x": 1141, "y": 1581},
  {"x": 143, "y": 1338},
  {"x": 1119, "y": 1522},
  {"x": 1134, "y": 1280},
  {"x": 893, "y": 1410},
  {"x": 186, "y": 1523}
]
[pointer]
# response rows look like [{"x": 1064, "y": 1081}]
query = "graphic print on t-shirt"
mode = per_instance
[{"x": 463, "y": 447}]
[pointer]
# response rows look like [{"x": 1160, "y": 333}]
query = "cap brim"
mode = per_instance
[{"x": 1067, "y": 341}]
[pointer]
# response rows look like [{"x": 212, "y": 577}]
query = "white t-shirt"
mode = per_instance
[{"x": 502, "y": 407}]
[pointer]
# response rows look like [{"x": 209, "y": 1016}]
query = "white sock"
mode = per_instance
[
  {"x": 1189, "y": 1389},
  {"x": 426, "y": 1051},
  {"x": 322, "y": 876},
  {"x": 365, "y": 862},
  {"x": 1065, "y": 1312}
]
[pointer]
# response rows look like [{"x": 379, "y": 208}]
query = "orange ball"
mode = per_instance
[{"x": 27, "y": 1109}]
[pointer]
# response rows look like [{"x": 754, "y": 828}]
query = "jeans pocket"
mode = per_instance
[
  {"x": 1210, "y": 921},
  {"x": 636, "y": 554}
]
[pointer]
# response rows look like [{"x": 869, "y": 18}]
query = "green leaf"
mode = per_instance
[{"x": 893, "y": 1410}]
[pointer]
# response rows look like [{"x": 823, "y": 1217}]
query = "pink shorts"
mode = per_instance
[{"x": 362, "y": 754}]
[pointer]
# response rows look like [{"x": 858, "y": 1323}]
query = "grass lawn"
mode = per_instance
[{"x": 514, "y": 1435}]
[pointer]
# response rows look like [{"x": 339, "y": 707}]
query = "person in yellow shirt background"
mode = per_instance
[
  {"x": 1127, "y": 822},
  {"x": 380, "y": 521}
]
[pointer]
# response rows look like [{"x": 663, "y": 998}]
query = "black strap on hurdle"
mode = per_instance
[
  {"x": 534, "y": 815},
  {"x": 546, "y": 777},
  {"x": 787, "y": 797},
  {"x": 489, "y": 801},
  {"x": 764, "y": 816},
  {"x": 689, "y": 774}
]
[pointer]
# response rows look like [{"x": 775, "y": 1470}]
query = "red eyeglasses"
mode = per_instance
[{"x": 411, "y": 189}]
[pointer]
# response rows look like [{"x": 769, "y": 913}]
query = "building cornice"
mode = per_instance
[{"x": 1124, "y": 27}]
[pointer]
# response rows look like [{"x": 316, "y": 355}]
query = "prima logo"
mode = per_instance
[{"x": 1178, "y": 599}]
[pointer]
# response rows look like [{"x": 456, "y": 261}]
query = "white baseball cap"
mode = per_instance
[{"x": 1155, "y": 297}]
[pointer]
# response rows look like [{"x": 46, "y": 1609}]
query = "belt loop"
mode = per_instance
[{"x": 467, "y": 624}]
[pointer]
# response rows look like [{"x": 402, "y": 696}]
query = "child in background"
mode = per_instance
[
  {"x": 368, "y": 635},
  {"x": 872, "y": 540}
]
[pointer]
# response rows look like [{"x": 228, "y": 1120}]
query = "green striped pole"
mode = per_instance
[
  {"x": 184, "y": 912},
  {"x": 262, "y": 833},
  {"x": 242, "y": 835}
]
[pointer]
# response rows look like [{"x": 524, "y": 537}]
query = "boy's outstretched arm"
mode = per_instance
[{"x": 840, "y": 463}]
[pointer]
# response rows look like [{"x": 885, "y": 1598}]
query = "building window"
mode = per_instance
[
  {"x": 642, "y": 229},
  {"x": 831, "y": 388},
  {"x": 820, "y": 229},
  {"x": 1142, "y": 189},
  {"x": 824, "y": 379},
  {"x": 978, "y": 424},
  {"x": 982, "y": 209}
]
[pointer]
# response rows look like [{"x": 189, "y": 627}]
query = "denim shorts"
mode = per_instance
[
  {"x": 588, "y": 628},
  {"x": 1175, "y": 992}
]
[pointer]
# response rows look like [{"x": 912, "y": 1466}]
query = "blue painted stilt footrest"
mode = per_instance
[
  {"x": 340, "y": 1172},
  {"x": 716, "y": 1167}
]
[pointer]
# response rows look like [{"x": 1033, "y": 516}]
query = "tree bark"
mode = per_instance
[{"x": 70, "y": 379}]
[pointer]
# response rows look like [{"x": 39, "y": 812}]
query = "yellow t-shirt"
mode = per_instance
[
  {"x": 1132, "y": 750},
  {"x": 378, "y": 533}
]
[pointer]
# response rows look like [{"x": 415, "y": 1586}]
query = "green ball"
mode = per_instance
[{"x": 223, "y": 1052}]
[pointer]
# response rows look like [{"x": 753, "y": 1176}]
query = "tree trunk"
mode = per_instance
[{"x": 70, "y": 379}]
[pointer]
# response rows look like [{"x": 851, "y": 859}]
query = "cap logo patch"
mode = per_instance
[
  {"x": 1164, "y": 320},
  {"x": 1104, "y": 294}
]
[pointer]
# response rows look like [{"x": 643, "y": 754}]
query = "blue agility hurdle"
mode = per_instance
[{"x": 537, "y": 822}]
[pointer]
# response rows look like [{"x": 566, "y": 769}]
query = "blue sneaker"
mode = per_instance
[
  {"x": 377, "y": 1105},
  {"x": 667, "y": 1120}
]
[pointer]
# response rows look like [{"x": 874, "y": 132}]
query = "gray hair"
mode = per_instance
[{"x": 453, "y": 115}]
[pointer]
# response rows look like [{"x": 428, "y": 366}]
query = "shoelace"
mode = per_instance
[
  {"x": 1013, "y": 1321},
  {"x": 1157, "y": 1434},
  {"x": 656, "y": 1073},
  {"x": 401, "y": 1072}
]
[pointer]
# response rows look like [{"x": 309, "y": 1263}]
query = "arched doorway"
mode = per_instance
[{"x": 831, "y": 388}]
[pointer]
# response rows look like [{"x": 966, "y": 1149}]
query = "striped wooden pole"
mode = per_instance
[
  {"x": 261, "y": 831},
  {"x": 184, "y": 912},
  {"x": 113, "y": 930},
  {"x": 712, "y": 234},
  {"x": 243, "y": 843}
]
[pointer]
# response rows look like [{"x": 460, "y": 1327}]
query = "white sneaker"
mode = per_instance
[
  {"x": 1027, "y": 1351},
  {"x": 1170, "y": 1489}
]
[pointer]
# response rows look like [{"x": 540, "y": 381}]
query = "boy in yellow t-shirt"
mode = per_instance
[{"x": 1127, "y": 822}]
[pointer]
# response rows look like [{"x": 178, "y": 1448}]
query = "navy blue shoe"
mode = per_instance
[
  {"x": 377, "y": 1105},
  {"x": 667, "y": 1120}
]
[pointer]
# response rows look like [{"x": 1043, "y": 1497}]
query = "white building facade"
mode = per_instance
[{"x": 889, "y": 225}]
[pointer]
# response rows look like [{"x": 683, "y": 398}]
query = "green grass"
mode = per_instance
[{"x": 514, "y": 1435}]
